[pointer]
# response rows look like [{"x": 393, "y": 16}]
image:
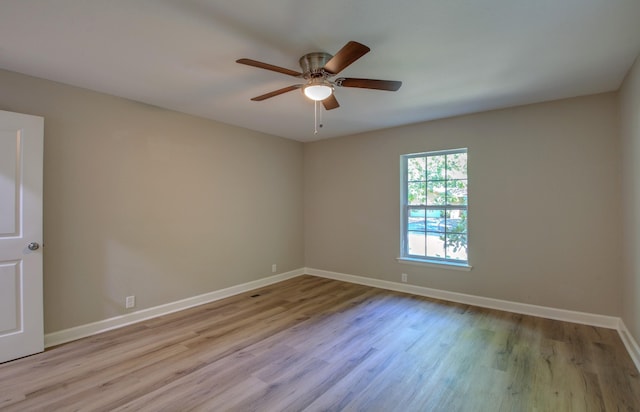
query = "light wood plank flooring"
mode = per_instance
[{"x": 316, "y": 344}]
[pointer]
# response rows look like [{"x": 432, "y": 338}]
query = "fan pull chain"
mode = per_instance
[{"x": 315, "y": 117}]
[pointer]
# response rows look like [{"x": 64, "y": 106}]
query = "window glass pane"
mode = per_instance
[
  {"x": 416, "y": 220},
  {"x": 435, "y": 245},
  {"x": 436, "y": 220},
  {"x": 456, "y": 192},
  {"x": 456, "y": 246},
  {"x": 436, "y": 167},
  {"x": 415, "y": 243},
  {"x": 416, "y": 193},
  {"x": 436, "y": 193},
  {"x": 435, "y": 212},
  {"x": 456, "y": 221},
  {"x": 416, "y": 168},
  {"x": 457, "y": 166}
]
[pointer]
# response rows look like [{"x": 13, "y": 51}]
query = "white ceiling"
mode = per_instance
[{"x": 454, "y": 57}]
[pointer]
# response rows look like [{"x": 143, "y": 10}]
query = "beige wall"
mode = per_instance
[
  {"x": 544, "y": 225},
  {"x": 630, "y": 131},
  {"x": 147, "y": 202}
]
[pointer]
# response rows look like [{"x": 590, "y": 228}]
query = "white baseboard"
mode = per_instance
[
  {"x": 609, "y": 322},
  {"x": 630, "y": 343},
  {"x": 78, "y": 332}
]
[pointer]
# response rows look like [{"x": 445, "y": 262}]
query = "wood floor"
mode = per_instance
[{"x": 316, "y": 344}]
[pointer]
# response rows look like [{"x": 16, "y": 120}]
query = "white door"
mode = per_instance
[{"x": 21, "y": 317}]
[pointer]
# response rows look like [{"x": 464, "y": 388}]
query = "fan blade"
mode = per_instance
[
  {"x": 268, "y": 66},
  {"x": 390, "y": 85},
  {"x": 330, "y": 102},
  {"x": 351, "y": 52},
  {"x": 276, "y": 93}
]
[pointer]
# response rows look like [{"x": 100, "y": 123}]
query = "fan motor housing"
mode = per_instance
[{"x": 312, "y": 64}]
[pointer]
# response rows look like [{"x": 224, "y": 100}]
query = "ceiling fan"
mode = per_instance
[{"x": 318, "y": 69}]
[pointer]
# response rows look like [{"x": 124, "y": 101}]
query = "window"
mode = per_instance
[{"x": 434, "y": 207}]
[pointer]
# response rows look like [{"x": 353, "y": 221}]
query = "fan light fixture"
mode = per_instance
[{"x": 318, "y": 89}]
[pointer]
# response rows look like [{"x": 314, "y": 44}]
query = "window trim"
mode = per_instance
[
  {"x": 405, "y": 257},
  {"x": 434, "y": 264}
]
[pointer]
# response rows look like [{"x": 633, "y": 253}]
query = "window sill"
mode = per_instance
[{"x": 435, "y": 264}]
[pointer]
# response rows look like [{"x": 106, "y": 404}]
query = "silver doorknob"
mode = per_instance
[{"x": 33, "y": 246}]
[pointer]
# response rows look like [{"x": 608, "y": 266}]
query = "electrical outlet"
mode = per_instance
[
  {"x": 403, "y": 277},
  {"x": 274, "y": 268},
  {"x": 130, "y": 302}
]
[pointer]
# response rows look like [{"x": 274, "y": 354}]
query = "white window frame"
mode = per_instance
[{"x": 405, "y": 257}]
